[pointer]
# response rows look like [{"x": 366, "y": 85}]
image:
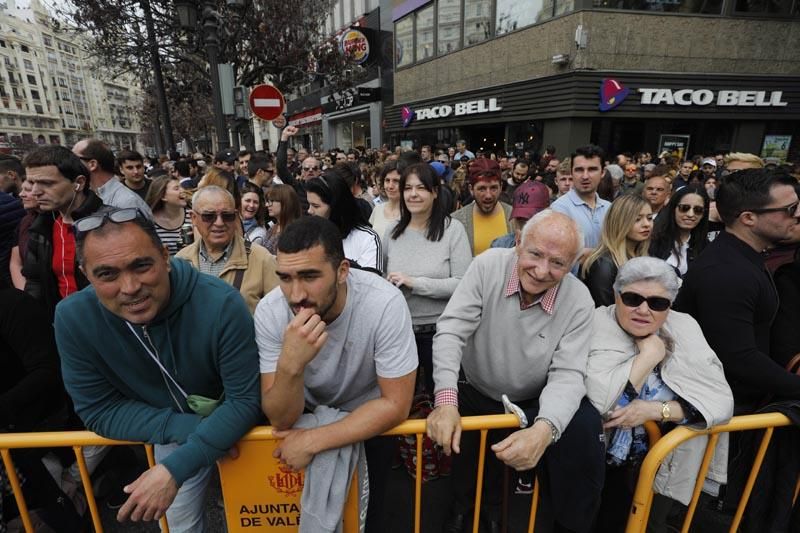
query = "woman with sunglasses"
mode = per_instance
[
  {"x": 166, "y": 200},
  {"x": 330, "y": 197},
  {"x": 625, "y": 235},
  {"x": 253, "y": 213},
  {"x": 284, "y": 207},
  {"x": 648, "y": 363},
  {"x": 426, "y": 255},
  {"x": 681, "y": 230}
]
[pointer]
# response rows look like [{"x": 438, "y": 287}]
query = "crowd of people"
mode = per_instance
[{"x": 183, "y": 302}]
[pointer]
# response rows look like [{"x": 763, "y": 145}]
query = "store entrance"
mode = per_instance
[{"x": 488, "y": 138}]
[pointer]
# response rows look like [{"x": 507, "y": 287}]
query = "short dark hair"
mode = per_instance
[
  {"x": 407, "y": 159},
  {"x": 307, "y": 232},
  {"x": 10, "y": 163},
  {"x": 68, "y": 164},
  {"x": 141, "y": 221},
  {"x": 182, "y": 167},
  {"x": 660, "y": 171},
  {"x": 99, "y": 151},
  {"x": 590, "y": 151},
  {"x": 748, "y": 189},
  {"x": 258, "y": 162},
  {"x": 129, "y": 155}
]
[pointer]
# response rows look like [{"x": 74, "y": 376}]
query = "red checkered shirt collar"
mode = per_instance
[{"x": 547, "y": 300}]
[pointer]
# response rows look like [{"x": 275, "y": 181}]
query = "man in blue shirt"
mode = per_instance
[{"x": 582, "y": 203}]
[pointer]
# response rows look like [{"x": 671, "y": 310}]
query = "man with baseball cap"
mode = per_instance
[
  {"x": 529, "y": 198},
  {"x": 225, "y": 160},
  {"x": 487, "y": 217}
]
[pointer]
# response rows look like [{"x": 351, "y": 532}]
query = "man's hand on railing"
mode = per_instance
[
  {"x": 522, "y": 449},
  {"x": 295, "y": 450},
  {"x": 444, "y": 428},
  {"x": 150, "y": 495}
]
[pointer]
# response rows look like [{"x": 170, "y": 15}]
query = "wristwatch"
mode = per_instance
[{"x": 665, "y": 412}]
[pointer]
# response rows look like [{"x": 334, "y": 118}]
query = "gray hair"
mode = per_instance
[
  {"x": 648, "y": 269},
  {"x": 211, "y": 189},
  {"x": 547, "y": 214}
]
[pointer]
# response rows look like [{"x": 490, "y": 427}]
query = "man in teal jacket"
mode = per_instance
[{"x": 147, "y": 347}]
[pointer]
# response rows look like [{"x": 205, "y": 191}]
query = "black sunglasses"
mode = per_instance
[
  {"x": 698, "y": 209},
  {"x": 310, "y": 169},
  {"x": 117, "y": 216},
  {"x": 789, "y": 209},
  {"x": 655, "y": 303},
  {"x": 210, "y": 218}
]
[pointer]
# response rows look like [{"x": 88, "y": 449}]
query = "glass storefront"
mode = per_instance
[{"x": 351, "y": 132}]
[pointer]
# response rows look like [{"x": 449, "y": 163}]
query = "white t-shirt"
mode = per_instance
[
  {"x": 681, "y": 261},
  {"x": 372, "y": 337},
  {"x": 363, "y": 245}
]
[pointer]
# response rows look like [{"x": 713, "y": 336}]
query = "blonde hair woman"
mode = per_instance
[{"x": 626, "y": 234}]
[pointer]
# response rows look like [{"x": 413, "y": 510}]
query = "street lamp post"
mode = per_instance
[
  {"x": 211, "y": 41},
  {"x": 187, "y": 13}
]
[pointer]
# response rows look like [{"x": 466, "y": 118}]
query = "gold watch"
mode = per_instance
[{"x": 665, "y": 412}]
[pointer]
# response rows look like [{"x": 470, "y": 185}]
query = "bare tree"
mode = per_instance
[{"x": 268, "y": 40}]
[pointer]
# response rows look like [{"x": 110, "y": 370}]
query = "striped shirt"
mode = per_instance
[{"x": 172, "y": 237}]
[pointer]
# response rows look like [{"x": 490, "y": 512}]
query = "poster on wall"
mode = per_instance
[
  {"x": 776, "y": 148},
  {"x": 675, "y": 145}
]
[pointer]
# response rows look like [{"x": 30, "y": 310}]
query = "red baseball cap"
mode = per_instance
[{"x": 530, "y": 198}]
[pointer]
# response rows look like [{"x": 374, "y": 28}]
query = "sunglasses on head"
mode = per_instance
[
  {"x": 117, "y": 216},
  {"x": 698, "y": 209},
  {"x": 211, "y": 217},
  {"x": 655, "y": 303}
]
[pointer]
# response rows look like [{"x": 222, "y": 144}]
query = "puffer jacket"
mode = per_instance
[
  {"x": 693, "y": 372},
  {"x": 41, "y": 282}
]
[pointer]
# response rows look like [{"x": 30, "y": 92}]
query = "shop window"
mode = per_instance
[
  {"x": 771, "y": 7},
  {"x": 515, "y": 14},
  {"x": 448, "y": 32},
  {"x": 477, "y": 21},
  {"x": 425, "y": 33},
  {"x": 404, "y": 41},
  {"x": 713, "y": 7}
]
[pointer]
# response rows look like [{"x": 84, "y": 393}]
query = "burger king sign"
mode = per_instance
[{"x": 354, "y": 44}]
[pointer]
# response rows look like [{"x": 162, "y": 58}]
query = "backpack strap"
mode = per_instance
[{"x": 239, "y": 277}]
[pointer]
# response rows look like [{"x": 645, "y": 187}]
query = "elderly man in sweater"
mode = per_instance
[{"x": 519, "y": 326}]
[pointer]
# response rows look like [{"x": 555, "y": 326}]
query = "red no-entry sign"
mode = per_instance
[{"x": 266, "y": 102}]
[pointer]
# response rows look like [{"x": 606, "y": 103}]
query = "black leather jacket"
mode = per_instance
[
  {"x": 41, "y": 282},
  {"x": 600, "y": 280}
]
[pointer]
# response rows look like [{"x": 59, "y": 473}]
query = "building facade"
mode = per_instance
[
  {"x": 352, "y": 118},
  {"x": 49, "y": 94},
  {"x": 632, "y": 75}
]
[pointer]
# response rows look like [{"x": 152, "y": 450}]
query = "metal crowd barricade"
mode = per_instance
[
  {"x": 78, "y": 439},
  {"x": 643, "y": 495}
]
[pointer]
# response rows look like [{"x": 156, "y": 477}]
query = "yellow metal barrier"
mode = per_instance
[
  {"x": 643, "y": 496},
  {"x": 79, "y": 439}
]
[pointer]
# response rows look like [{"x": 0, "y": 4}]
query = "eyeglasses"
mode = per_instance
[
  {"x": 310, "y": 169},
  {"x": 698, "y": 209},
  {"x": 270, "y": 202},
  {"x": 789, "y": 210},
  {"x": 211, "y": 217},
  {"x": 655, "y": 303},
  {"x": 117, "y": 216}
]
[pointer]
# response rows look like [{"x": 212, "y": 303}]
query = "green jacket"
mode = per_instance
[{"x": 204, "y": 338}]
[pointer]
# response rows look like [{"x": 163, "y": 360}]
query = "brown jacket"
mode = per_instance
[{"x": 258, "y": 266}]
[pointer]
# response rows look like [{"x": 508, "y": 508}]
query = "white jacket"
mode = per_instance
[{"x": 690, "y": 368}]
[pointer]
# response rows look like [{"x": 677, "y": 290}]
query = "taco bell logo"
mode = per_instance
[
  {"x": 612, "y": 94},
  {"x": 407, "y": 115}
]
